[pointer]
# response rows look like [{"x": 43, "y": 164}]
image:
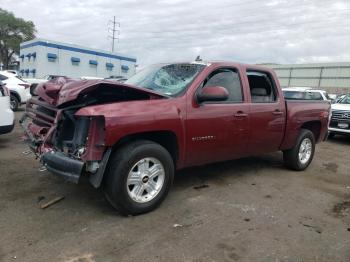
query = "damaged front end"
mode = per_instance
[{"x": 67, "y": 144}]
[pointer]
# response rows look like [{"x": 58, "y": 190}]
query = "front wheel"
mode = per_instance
[
  {"x": 300, "y": 156},
  {"x": 139, "y": 177}
]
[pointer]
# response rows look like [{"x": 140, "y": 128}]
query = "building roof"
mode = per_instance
[{"x": 75, "y": 48}]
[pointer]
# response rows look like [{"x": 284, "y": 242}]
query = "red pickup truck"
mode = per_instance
[{"x": 130, "y": 137}]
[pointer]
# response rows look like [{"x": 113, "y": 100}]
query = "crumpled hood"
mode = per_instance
[
  {"x": 341, "y": 107},
  {"x": 65, "y": 90}
]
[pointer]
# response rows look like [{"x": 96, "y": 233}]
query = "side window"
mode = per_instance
[
  {"x": 2, "y": 77},
  {"x": 317, "y": 96},
  {"x": 228, "y": 79},
  {"x": 262, "y": 89}
]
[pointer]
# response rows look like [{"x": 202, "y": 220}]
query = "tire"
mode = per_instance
[
  {"x": 291, "y": 157},
  {"x": 14, "y": 102},
  {"x": 331, "y": 135},
  {"x": 126, "y": 165}
]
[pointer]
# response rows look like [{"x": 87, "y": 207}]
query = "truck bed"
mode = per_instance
[{"x": 301, "y": 111}]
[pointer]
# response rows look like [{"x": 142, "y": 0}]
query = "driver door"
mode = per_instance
[{"x": 218, "y": 131}]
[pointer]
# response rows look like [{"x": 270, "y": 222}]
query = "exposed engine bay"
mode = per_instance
[{"x": 54, "y": 131}]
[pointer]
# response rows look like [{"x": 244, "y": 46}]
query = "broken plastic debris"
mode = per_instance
[
  {"x": 51, "y": 202},
  {"x": 177, "y": 225}
]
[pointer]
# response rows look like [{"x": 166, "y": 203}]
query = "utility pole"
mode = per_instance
[{"x": 113, "y": 30}]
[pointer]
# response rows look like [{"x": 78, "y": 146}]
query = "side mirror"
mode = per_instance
[{"x": 212, "y": 93}]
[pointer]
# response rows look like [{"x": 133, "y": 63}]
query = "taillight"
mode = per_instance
[{"x": 25, "y": 85}]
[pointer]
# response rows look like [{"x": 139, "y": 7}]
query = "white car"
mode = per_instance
[
  {"x": 340, "y": 120},
  {"x": 305, "y": 93},
  {"x": 14, "y": 72},
  {"x": 19, "y": 89},
  {"x": 6, "y": 114}
]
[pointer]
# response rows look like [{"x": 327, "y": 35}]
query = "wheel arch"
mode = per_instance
[
  {"x": 165, "y": 138},
  {"x": 14, "y": 93},
  {"x": 314, "y": 127}
]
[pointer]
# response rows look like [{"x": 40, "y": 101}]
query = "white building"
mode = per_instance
[
  {"x": 40, "y": 57},
  {"x": 333, "y": 77}
]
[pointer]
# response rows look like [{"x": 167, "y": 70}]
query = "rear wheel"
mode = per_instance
[
  {"x": 139, "y": 177},
  {"x": 300, "y": 156},
  {"x": 14, "y": 102}
]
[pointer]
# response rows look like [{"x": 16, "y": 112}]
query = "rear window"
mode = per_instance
[{"x": 262, "y": 88}]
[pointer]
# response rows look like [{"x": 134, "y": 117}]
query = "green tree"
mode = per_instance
[{"x": 13, "y": 31}]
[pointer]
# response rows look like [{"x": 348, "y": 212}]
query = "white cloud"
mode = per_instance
[{"x": 249, "y": 31}]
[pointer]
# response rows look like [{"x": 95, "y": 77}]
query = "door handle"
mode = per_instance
[
  {"x": 277, "y": 112},
  {"x": 240, "y": 114}
]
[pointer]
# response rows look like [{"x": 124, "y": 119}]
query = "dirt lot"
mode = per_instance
[{"x": 246, "y": 210}]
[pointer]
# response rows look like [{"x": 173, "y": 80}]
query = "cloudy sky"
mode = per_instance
[{"x": 251, "y": 31}]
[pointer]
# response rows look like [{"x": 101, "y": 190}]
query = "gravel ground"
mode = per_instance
[{"x": 251, "y": 209}]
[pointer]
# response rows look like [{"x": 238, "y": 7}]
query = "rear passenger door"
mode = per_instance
[{"x": 267, "y": 113}]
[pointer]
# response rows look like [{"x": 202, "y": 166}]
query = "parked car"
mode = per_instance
[
  {"x": 121, "y": 79},
  {"x": 304, "y": 93},
  {"x": 130, "y": 137},
  {"x": 19, "y": 89},
  {"x": 14, "y": 72},
  {"x": 6, "y": 114},
  {"x": 340, "y": 120},
  {"x": 91, "y": 78},
  {"x": 339, "y": 98}
]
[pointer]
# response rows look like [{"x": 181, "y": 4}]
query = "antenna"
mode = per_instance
[{"x": 113, "y": 30}]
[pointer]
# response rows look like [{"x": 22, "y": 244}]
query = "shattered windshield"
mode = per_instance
[{"x": 168, "y": 79}]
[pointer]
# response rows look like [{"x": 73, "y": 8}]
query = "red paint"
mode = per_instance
[{"x": 205, "y": 132}]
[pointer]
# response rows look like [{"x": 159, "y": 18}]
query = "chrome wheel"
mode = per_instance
[
  {"x": 145, "y": 180},
  {"x": 305, "y": 150}
]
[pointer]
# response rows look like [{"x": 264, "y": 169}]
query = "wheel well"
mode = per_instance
[
  {"x": 167, "y": 139},
  {"x": 15, "y": 94},
  {"x": 314, "y": 127}
]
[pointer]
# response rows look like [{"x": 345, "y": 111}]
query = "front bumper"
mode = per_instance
[
  {"x": 63, "y": 166},
  {"x": 339, "y": 130},
  {"x": 6, "y": 129}
]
